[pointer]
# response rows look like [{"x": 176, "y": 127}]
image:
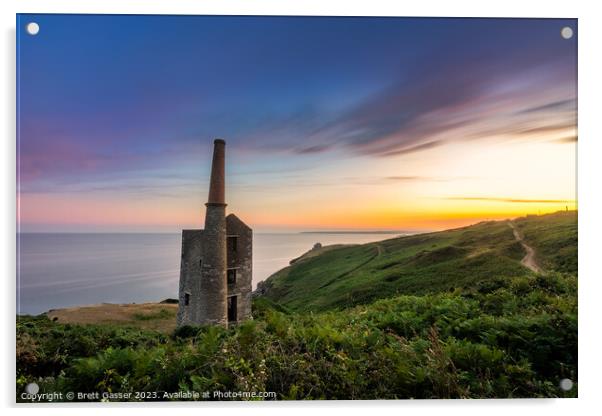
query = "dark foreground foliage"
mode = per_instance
[{"x": 511, "y": 337}]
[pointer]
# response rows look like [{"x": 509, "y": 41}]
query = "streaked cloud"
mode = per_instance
[
  {"x": 510, "y": 200},
  {"x": 567, "y": 139},
  {"x": 567, "y": 105},
  {"x": 414, "y": 149},
  {"x": 318, "y": 148}
]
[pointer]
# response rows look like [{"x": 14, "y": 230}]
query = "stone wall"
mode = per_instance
[
  {"x": 190, "y": 278},
  {"x": 240, "y": 258}
]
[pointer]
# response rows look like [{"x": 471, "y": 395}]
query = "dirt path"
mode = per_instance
[{"x": 529, "y": 259}]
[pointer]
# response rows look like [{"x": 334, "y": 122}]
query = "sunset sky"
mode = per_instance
[{"x": 330, "y": 123}]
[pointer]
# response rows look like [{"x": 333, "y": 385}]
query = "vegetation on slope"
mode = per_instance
[
  {"x": 155, "y": 316},
  {"x": 441, "y": 315},
  {"x": 554, "y": 238},
  {"x": 505, "y": 338},
  {"x": 421, "y": 264}
]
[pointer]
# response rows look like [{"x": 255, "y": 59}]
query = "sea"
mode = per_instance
[{"x": 61, "y": 270}]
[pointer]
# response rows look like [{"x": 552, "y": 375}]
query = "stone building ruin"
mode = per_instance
[{"x": 216, "y": 265}]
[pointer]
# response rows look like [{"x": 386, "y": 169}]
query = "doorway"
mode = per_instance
[{"x": 232, "y": 308}]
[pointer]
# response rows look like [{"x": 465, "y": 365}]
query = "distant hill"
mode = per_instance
[{"x": 341, "y": 277}]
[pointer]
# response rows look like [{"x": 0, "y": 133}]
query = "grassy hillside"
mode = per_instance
[
  {"x": 425, "y": 263},
  {"x": 154, "y": 316},
  {"x": 512, "y": 337},
  {"x": 554, "y": 237},
  {"x": 452, "y": 314}
]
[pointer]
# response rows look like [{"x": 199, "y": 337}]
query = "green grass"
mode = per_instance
[
  {"x": 161, "y": 314},
  {"x": 554, "y": 238},
  {"x": 420, "y": 264}
]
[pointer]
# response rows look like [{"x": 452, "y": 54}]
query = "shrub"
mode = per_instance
[{"x": 484, "y": 342}]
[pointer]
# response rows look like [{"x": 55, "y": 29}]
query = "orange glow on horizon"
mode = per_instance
[
  {"x": 140, "y": 214},
  {"x": 442, "y": 188}
]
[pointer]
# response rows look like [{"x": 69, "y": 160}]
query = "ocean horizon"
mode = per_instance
[{"x": 67, "y": 269}]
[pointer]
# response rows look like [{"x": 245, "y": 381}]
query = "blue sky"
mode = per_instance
[{"x": 122, "y": 110}]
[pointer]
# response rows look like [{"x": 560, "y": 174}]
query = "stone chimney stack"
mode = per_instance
[
  {"x": 214, "y": 287},
  {"x": 217, "y": 186}
]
